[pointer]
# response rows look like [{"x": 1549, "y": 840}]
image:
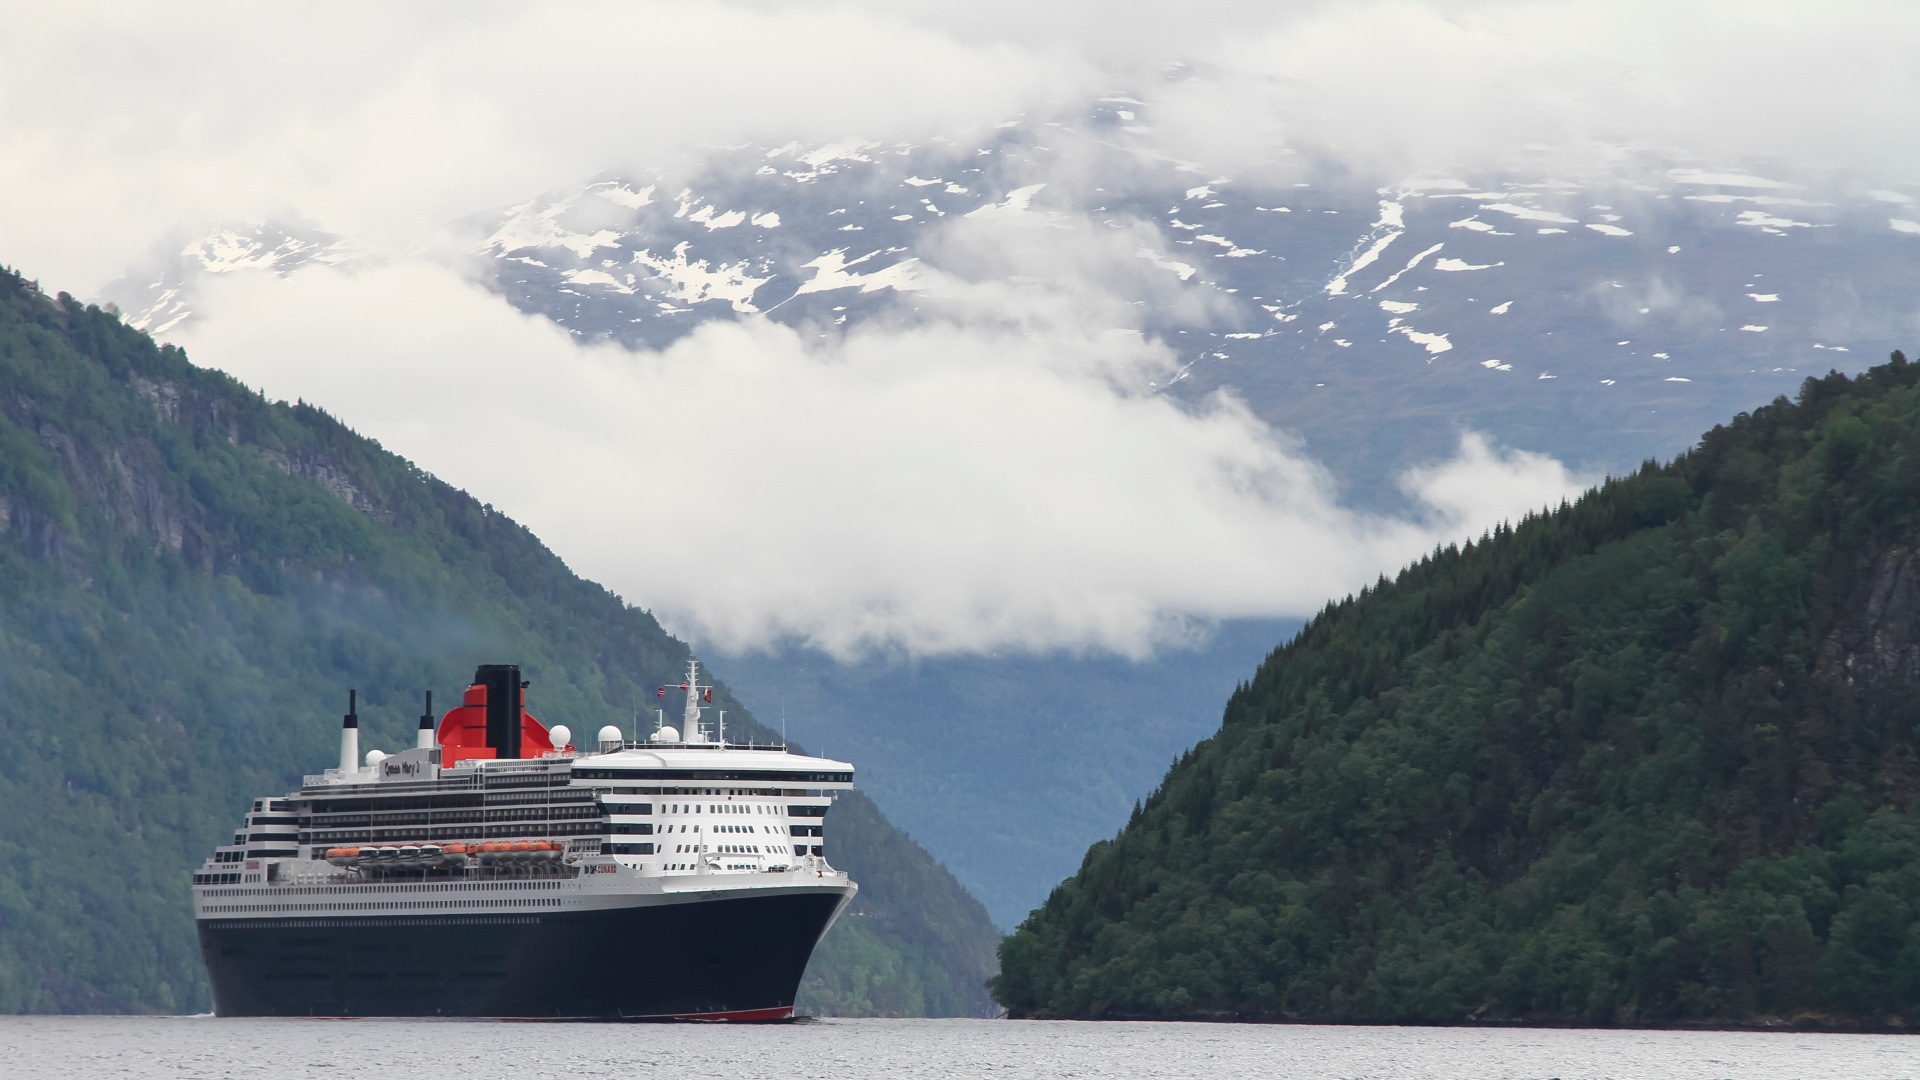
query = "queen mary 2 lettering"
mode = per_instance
[{"x": 496, "y": 870}]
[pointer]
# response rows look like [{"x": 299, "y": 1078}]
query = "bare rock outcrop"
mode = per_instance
[{"x": 1878, "y": 647}]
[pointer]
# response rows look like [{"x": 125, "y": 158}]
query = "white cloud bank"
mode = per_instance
[
  {"x": 956, "y": 485},
  {"x": 122, "y": 122},
  {"x": 1397, "y": 87},
  {"x": 999, "y": 472}
]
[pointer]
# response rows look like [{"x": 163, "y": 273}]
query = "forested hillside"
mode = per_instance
[
  {"x": 190, "y": 579},
  {"x": 1645, "y": 759}
]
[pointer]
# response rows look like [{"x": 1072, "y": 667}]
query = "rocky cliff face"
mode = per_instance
[
  {"x": 129, "y": 484},
  {"x": 1875, "y": 653}
]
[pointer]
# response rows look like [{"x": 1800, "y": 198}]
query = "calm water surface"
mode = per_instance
[{"x": 136, "y": 1048}]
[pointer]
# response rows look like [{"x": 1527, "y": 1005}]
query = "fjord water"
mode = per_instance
[{"x": 137, "y": 1048}]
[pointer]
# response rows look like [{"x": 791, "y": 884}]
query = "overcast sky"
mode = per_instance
[{"x": 999, "y": 472}]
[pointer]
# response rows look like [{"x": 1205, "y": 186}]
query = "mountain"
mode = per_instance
[
  {"x": 1045, "y": 751},
  {"x": 1650, "y": 758},
  {"x": 190, "y": 579},
  {"x": 1598, "y": 318},
  {"x": 1602, "y": 319}
]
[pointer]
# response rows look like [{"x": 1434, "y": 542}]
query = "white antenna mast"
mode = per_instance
[{"x": 690, "y": 719}]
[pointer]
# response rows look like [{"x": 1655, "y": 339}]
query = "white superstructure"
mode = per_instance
[{"x": 636, "y": 824}]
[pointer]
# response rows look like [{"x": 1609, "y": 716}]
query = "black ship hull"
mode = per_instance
[{"x": 738, "y": 957}]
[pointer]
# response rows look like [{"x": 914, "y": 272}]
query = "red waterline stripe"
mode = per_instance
[{"x": 784, "y": 1012}]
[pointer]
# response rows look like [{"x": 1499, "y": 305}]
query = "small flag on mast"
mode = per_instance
[
  {"x": 662, "y": 692},
  {"x": 709, "y": 696}
]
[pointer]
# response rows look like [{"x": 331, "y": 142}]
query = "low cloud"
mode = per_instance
[
  {"x": 121, "y": 123},
  {"x": 1393, "y": 88},
  {"x": 950, "y": 484}
]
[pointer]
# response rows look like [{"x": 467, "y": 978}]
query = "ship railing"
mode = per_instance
[{"x": 648, "y": 744}]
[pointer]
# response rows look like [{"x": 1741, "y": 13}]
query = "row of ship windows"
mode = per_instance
[
  {"x": 325, "y": 821},
  {"x": 723, "y": 849},
  {"x": 376, "y": 905},
  {"x": 624, "y": 829},
  {"x": 387, "y": 890},
  {"x": 764, "y": 793},
  {"x": 397, "y": 814},
  {"x": 445, "y": 830},
  {"x": 440, "y": 832},
  {"x": 642, "y": 828},
  {"x": 445, "y": 802},
  {"x": 646, "y": 829},
  {"x": 734, "y": 849},
  {"x": 731, "y": 808}
]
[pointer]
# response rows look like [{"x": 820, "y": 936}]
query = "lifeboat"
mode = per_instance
[{"x": 456, "y": 854}]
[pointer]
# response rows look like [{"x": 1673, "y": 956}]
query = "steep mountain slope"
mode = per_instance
[
  {"x": 190, "y": 578},
  {"x": 1651, "y": 758}
]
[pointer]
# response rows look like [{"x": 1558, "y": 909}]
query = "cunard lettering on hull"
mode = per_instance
[{"x": 495, "y": 869}]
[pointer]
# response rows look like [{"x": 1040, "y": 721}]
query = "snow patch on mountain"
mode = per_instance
[
  {"x": 1527, "y": 213},
  {"x": 1433, "y": 343},
  {"x": 1161, "y": 262},
  {"x": 1713, "y": 179},
  {"x": 1234, "y": 251},
  {"x": 1017, "y": 209},
  {"x": 1392, "y": 221},
  {"x": 693, "y": 281},
  {"x": 1411, "y": 263},
  {"x": 621, "y": 195},
  {"x": 832, "y": 271},
  {"x": 1766, "y": 222}
]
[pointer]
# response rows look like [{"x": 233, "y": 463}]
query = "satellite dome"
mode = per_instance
[
  {"x": 666, "y": 734},
  {"x": 610, "y": 734},
  {"x": 375, "y": 757},
  {"x": 561, "y": 735}
]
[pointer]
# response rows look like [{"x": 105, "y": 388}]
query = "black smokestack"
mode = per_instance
[
  {"x": 503, "y": 707},
  {"x": 427, "y": 737}
]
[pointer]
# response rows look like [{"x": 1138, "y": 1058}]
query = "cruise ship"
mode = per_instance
[{"x": 494, "y": 869}]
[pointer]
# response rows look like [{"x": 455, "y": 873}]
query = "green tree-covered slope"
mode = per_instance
[
  {"x": 190, "y": 579},
  {"x": 1649, "y": 758}
]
